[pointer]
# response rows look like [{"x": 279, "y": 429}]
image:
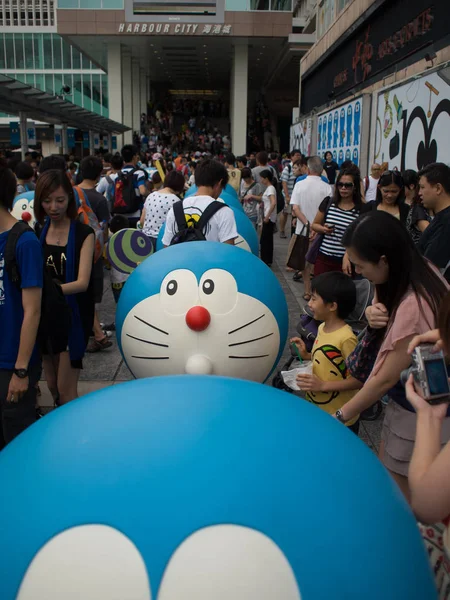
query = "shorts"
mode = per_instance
[
  {"x": 399, "y": 435},
  {"x": 97, "y": 288}
]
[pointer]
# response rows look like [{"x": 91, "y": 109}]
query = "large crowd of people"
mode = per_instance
[{"x": 390, "y": 228}]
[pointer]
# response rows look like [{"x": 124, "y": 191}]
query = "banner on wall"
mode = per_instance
[
  {"x": 114, "y": 142},
  {"x": 31, "y": 134},
  {"x": 96, "y": 141},
  {"x": 413, "y": 122},
  {"x": 58, "y": 137},
  {"x": 14, "y": 133},
  {"x": 86, "y": 140},
  {"x": 301, "y": 136},
  {"x": 71, "y": 138},
  {"x": 339, "y": 132}
]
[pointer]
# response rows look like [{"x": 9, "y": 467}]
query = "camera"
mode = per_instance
[{"x": 430, "y": 374}]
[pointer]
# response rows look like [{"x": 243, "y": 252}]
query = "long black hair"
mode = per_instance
[
  {"x": 388, "y": 178},
  {"x": 354, "y": 173},
  {"x": 378, "y": 234}
]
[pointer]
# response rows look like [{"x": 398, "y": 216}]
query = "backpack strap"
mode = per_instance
[
  {"x": 11, "y": 265},
  {"x": 178, "y": 212},
  {"x": 82, "y": 197},
  {"x": 208, "y": 213}
]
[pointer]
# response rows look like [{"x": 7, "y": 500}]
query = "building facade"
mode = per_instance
[{"x": 376, "y": 84}]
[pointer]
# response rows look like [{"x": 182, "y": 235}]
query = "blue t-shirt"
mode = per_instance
[{"x": 30, "y": 262}]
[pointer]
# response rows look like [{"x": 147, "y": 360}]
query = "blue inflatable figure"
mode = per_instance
[
  {"x": 228, "y": 190},
  {"x": 355, "y": 158},
  {"x": 319, "y": 134},
  {"x": 202, "y": 308},
  {"x": 330, "y": 129},
  {"x": 202, "y": 488},
  {"x": 247, "y": 238},
  {"x": 232, "y": 201},
  {"x": 342, "y": 128},
  {"x": 23, "y": 208},
  {"x": 335, "y": 129},
  {"x": 341, "y": 157},
  {"x": 357, "y": 123},
  {"x": 349, "y": 125}
]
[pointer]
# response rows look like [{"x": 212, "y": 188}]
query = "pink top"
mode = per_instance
[{"x": 411, "y": 318}]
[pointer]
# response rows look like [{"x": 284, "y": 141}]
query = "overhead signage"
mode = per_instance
[
  {"x": 31, "y": 134},
  {"x": 14, "y": 133},
  {"x": 174, "y": 29}
]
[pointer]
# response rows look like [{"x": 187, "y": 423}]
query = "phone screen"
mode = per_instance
[{"x": 437, "y": 376}]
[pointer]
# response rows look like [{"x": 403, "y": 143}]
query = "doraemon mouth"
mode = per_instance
[{"x": 205, "y": 327}]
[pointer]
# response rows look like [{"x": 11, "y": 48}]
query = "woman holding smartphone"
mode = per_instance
[{"x": 333, "y": 219}]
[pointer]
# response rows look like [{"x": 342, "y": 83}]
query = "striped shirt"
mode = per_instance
[
  {"x": 341, "y": 219},
  {"x": 288, "y": 176}
]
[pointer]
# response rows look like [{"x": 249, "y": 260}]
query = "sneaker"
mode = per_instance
[
  {"x": 297, "y": 276},
  {"x": 282, "y": 235},
  {"x": 98, "y": 346}
]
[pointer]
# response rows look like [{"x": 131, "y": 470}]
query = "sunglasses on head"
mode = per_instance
[{"x": 343, "y": 184}]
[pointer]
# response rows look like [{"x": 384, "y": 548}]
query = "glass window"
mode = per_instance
[
  {"x": 38, "y": 51},
  {"x": 68, "y": 4},
  {"x": 28, "y": 49},
  {"x": 284, "y": 5},
  {"x": 66, "y": 55},
  {"x": 9, "y": 50},
  {"x": 96, "y": 93},
  {"x": 2, "y": 52},
  {"x": 58, "y": 83},
  {"x": 57, "y": 57},
  {"x": 19, "y": 77},
  {"x": 49, "y": 87},
  {"x": 48, "y": 50},
  {"x": 90, "y": 3},
  {"x": 29, "y": 78},
  {"x": 77, "y": 95},
  {"x": 259, "y": 4},
  {"x": 76, "y": 58},
  {"x": 234, "y": 5},
  {"x": 86, "y": 63},
  {"x": 105, "y": 106},
  {"x": 40, "y": 81},
  {"x": 87, "y": 91},
  {"x": 18, "y": 45},
  {"x": 67, "y": 79},
  {"x": 118, "y": 4}
]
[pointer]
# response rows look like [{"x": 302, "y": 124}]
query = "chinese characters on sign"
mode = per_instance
[
  {"x": 174, "y": 29},
  {"x": 363, "y": 55}
]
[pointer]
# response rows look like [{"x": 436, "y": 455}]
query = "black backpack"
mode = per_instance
[
  {"x": 125, "y": 198},
  {"x": 54, "y": 326},
  {"x": 280, "y": 198},
  {"x": 192, "y": 231}
]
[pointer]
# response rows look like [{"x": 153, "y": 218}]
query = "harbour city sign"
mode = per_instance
[{"x": 173, "y": 29}]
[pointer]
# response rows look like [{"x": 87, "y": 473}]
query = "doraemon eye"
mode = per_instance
[
  {"x": 179, "y": 291},
  {"x": 218, "y": 291},
  {"x": 24, "y": 206}
]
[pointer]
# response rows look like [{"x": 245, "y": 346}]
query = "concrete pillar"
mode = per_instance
[
  {"x": 110, "y": 148},
  {"x": 23, "y": 133},
  {"x": 115, "y": 85},
  {"x": 91, "y": 143},
  {"x": 143, "y": 91},
  {"x": 65, "y": 141},
  {"x": 239, "y": 93},
  {"x": 136, "y": 75},
  {"x": 127, "y": 96}
]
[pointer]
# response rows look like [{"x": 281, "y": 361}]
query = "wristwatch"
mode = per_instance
[
  {"x": 340, "y": 415},
  {"x": 21, "y": 373}
]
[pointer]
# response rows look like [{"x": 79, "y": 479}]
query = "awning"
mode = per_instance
[{"x": 16, "y": 96}]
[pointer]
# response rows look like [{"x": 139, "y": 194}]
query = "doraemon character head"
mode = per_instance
[
  {"x": 342, "y": 113},
  {"x": 355, "y": 157},
  {"x": 349, "y": 110},
  {"x": 228, "y": 190},
  {"x": 205, "y": 308},
  {"x": 357, "y": 107},
  {"x": 247, "y": 238},
  {"x": 202, "y": 488},
  {"x": 23, "y": 208}
]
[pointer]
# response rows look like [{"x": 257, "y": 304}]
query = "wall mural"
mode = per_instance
[
  {"x": 301, "y": 136},
  {"x": 413, "y": 122},
  {"x": 339, "y": 131}
]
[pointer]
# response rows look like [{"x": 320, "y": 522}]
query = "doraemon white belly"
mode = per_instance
[{"x": 205, "y": 327}]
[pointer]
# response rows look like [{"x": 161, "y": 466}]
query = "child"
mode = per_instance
[{"x": 330, "y": 386}]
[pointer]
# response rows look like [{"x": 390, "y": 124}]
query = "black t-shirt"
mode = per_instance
[
  {"x": 99, "y": 205},
  {"x": 330, "y": 169},
  {"x": 435, "y": 242}
]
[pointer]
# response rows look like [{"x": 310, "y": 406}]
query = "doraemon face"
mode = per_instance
[
  {"x": 202, "y": 488},
  {"x": 202, "y": 308},
  {"x": 357, "y": 107},
  {"x": 349, "y": 110},
  {"x": 342, "y": 112},
  {"x": 23, "y": 208}
]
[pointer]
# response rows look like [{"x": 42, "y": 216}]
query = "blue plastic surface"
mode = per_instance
[
  {"x": 158, "y": 464},
  {"x": 228, "y": 190}
]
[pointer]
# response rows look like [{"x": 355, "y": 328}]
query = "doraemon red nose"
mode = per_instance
[
  {"x": 26, "y": 216},
  {"x": 198, "y": 318}
]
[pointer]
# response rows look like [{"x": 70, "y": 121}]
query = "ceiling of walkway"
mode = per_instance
[{"x": 202, "y": 62}]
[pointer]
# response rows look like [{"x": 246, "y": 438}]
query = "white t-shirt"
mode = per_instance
[
  {"x": 307, "y": 195},
  {"x": 371, "y": 193},
  {"x": 220, "y": 228},
  {"x": 270, "y": 190},
  {"x": 156, "y": 208}
]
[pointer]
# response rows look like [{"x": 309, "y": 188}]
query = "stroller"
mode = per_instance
[{"x": 308, "y": 327}]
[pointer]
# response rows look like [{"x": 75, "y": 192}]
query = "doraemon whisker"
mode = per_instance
[
  {"x": 146, "y": 341},
  {"x": 241, "y": 357},
  {"x": 246, "y": 325},
  {"x": 152, "y": 357},
  {"x": 150, "y": 325},
  {"x": 250, "y": 341}
]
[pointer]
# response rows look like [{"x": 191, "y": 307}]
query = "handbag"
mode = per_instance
[
  {"x": 298, "y": 247},
  {"x": 362, "y": 360},
  {"x": 314, "y": 249}
]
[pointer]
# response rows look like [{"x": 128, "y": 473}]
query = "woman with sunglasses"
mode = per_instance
[
  {"x": 333, "y": 219},
  {"x": 391, "y": 196}
]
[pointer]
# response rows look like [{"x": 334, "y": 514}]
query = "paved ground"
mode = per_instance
[{"x": 107, "y": 367}]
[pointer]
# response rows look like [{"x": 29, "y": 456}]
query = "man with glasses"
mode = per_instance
[{"x": 371, "y": 183}]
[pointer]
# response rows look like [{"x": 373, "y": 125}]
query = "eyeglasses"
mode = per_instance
[{"x": 345, "y": 185}]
